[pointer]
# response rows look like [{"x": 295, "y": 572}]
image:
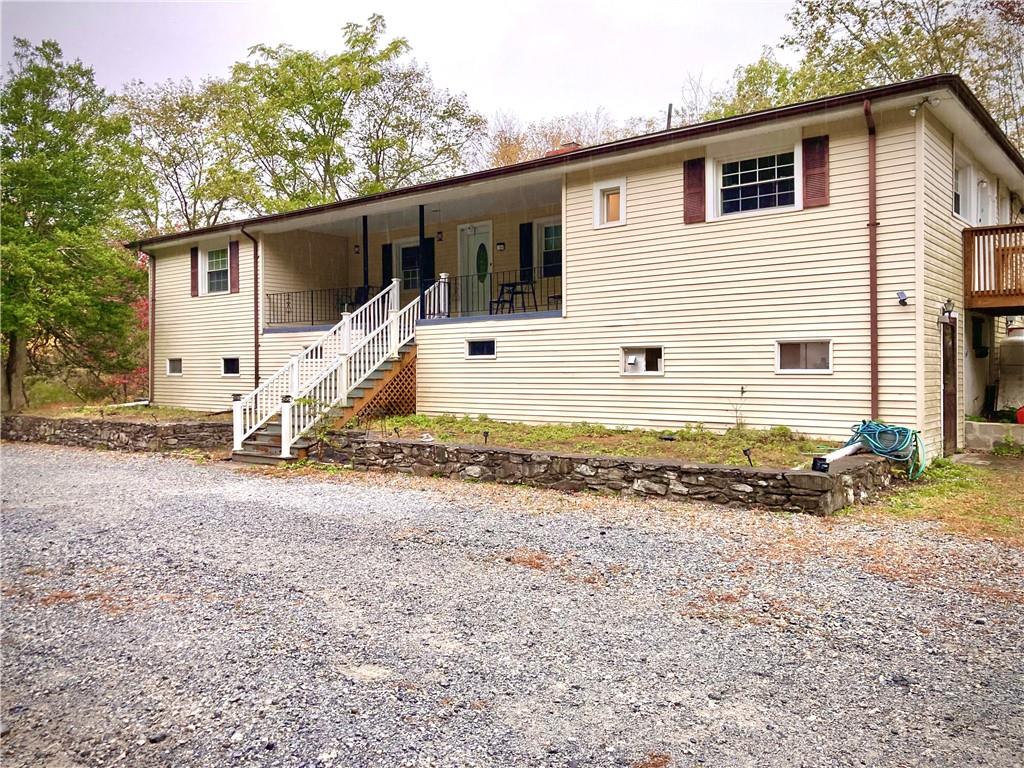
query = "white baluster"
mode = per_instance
[
  {"x": 286, "y": 426},
  {"x": 346, "y": 333},
  {"x": 293, "y": 375},
  {"x": 238, "y": 428}
]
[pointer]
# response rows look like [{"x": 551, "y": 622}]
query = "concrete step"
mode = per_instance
[{"x": 249, "y": 457}]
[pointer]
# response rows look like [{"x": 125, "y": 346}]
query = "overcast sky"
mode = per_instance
[{"x": 528, "y": 57}]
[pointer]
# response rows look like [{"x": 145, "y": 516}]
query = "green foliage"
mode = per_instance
[
  {"x": 778, "y": 446},
  {"x": 67, "y": 285},
  {"x": 193, "y": 172},
  {"x": 291, "y": 112},
  {"x": 850, "y": 44},
  {"x": 1008, "y": 447}
]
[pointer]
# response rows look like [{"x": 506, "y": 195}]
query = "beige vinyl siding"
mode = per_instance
[
  {"x": 943, "y": 277},
  {"x": 717, "y": 296},
  {"x": 277, "y": 348},
  {"x": 300, "y": 260},
  {"x": 201, "y": 330}
]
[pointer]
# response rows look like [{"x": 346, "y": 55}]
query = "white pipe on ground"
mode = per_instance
[
  {"x": 127, "y": 405},
  {"x": 846, "y": 450}
]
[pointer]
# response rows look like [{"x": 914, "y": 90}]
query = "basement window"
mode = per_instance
[
  {"x": 230, "y": 366},
  {"x": 174, "y": 366},
  {"x": 643, "y": 361},
  {"x": 814, "y": 356},
  {"x": 482, "y": 349}
]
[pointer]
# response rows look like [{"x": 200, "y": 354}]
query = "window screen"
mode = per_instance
[
  {"x": 758, "y": 183},
  {"x": 217, "y": 270},
  {"x": 231, "y": 366},
  {"x": 804, "y": 356},
  {"x": 174, "y": 366},
  {"x": 480, "y": 348}
]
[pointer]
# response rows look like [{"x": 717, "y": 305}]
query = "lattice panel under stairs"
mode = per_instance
[{"x": 396, "y": 396}]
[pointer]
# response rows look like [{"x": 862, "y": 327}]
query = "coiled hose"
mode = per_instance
[{"x": 895, "y": 443}]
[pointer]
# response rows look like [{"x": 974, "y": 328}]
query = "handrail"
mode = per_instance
[
  {"x": 256, "y": 408},
  {"x": 994, "y": 263},
  {"x": 336, "y": 383}
]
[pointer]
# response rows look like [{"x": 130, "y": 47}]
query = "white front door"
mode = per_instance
[{"x": 475, "y": 266}]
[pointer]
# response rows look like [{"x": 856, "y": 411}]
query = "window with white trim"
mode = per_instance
[
  {"x": 230, "y": 366},
  {"x": 804, "y": 356},
  {"x": 757, "y": 183},
  {"x": 216, "y": 269},
  {"x": 610, "y": 203},
  {"x": 643, "y": 360},
  {"x": 963, "y": 174},
  {"x": 174, "y": 366},
  {"x": 549, "y": 247},
  {"x": 480, "y": 348}
]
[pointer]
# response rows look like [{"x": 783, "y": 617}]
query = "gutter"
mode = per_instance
[
  {"x": 255, "y": 305},
  {"x": 869, "y": 118},
  {"x": 686, "y": 133}
]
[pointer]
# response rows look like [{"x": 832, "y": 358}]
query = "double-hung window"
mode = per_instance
[
  {"x": 549, "y": 245},
  {"x": 409, "y": 266},
  {"x": 757, "y": 183},
  {"x": 217, "y": 270}
]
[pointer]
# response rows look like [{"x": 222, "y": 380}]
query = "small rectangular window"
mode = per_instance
[
  {"x": 803, "y": 357},
  {"x": 610, "y": 203},
  {"x": 642, "y": 360},
  {"x": 174, "y": 366},
  {"x": 480, "y": 348},
  {"x": 230, "y": 366},
  {"x": 217, "y": 270}
]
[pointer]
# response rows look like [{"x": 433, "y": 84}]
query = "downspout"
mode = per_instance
[
  {"x": 869, "y": 118},
  {"x": 255, "y": 306},
  {"x": 152, "y": 319}
]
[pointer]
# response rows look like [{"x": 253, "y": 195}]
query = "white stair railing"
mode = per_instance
[
  {"x": 253, "y": 410},
  {"x": 334, "y": 386},
  {"x": 435, "y": 298}
]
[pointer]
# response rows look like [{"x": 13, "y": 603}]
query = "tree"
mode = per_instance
[
  {"x": 851, "y": 44},
  {"x": 194, "y": 173},
  {"x": 67, "y": 285},
  {"x": 408, "y": 131},
  {"x": 509, "y": 142},
  {"x": 291, "y": 112}
]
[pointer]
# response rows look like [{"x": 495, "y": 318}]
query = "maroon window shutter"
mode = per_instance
[
  {"x": 815, "y": 152},
  {"x": 693, "y": 191},
  {"x": 233, "y": 265},
  {"x": 195, "y": 270}
]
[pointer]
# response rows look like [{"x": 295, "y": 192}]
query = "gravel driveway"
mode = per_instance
[{"x": 159, "y": 612}]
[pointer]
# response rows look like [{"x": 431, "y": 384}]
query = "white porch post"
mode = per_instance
[
  {"x": 286, "y": 427},
  {"x": 396, "y": 287},
  {"x": 346, "y": 333},
  {"x": 442, "y": 297},
  {"x": 236, "y": 413},
  {"x": 343, "y": 382}
]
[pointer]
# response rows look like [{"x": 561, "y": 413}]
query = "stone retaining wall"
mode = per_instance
[
  {"x": 854, "y": 479},
  {"x": 117, "y": 435}
]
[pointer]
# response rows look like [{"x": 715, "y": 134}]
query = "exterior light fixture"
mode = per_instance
[
  {"x": 983, "y": 183},
  {"x": 948, "y": 307},
  {"x": 902, "y": 296},
  {"x": 913, "y": 111}
]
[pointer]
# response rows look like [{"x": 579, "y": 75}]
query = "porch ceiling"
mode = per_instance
[{"x": 469, "y": 204}]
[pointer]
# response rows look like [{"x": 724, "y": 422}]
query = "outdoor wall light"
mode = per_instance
[
  {"x": 355, "y": 249},
  {"x": 902, "y": 296},
  {"x": 947, "y": 307},
  {"x": 983, "y": 183},
  {"x": 913, "y": 111}
]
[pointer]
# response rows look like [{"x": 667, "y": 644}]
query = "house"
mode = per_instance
[{"x": 811, "y": 266}]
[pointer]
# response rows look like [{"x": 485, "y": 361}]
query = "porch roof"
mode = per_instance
[{"x": 969, "y": 118}]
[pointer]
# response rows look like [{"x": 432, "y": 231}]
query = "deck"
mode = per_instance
[{"x": 994, "y": 268}]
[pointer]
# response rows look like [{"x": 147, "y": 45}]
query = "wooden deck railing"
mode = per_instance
[{"x": 994, "y": 266}]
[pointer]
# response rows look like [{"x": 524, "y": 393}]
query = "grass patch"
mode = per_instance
[
  {"x": 151, "y": 413},
  {"x": 985, "y": 502},
  {"x": 775, "y": 447}
]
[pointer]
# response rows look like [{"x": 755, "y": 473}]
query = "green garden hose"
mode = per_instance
[{"x": 894, "y": 443}]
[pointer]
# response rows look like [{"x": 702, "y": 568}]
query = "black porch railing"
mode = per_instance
[
  {"x": 319, "y": 306},
  {"x": 513, "y": 291}
]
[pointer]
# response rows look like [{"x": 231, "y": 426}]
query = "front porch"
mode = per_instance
[{"x": 480, "y": 255}]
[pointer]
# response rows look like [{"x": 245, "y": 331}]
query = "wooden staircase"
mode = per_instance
[{"x": 264, "y": 445}]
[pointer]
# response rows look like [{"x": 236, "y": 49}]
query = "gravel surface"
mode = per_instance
[{"x": 160, "y": 612}]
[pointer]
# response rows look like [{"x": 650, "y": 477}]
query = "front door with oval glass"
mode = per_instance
[{"x": 475, "y": 267}]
